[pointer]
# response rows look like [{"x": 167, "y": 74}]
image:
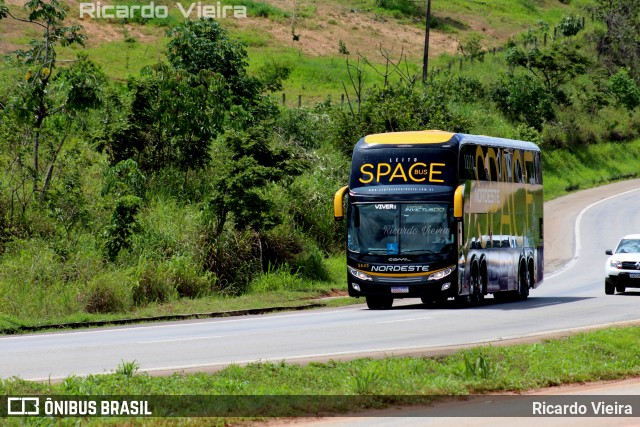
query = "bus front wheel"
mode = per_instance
[{"x": 379, "y": 303}]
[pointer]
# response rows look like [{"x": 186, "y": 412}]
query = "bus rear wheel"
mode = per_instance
[
  {"x": 524, "y": 284},
  {"x": 379, "y": 303}
]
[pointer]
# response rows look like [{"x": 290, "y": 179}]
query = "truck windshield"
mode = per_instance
[{"x": 400, "y": 228}]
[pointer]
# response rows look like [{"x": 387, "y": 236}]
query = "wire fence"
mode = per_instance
[{"x": 460, "y": 63}]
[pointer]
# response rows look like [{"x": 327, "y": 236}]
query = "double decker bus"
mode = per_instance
[{"x": 438, "y": 215}]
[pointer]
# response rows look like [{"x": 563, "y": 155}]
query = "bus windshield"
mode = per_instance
[{"x": 400, "y": 228}]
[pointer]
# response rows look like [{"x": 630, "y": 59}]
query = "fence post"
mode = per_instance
[
  {"x": 299, "y": 101},
  {"x": 342, "y": 99},
  {"x": 449, "y": 66},
  {"x": 460, "y": 64},
  {"x": 583, "y": 22},
  {"x": 545, "y": 39},
  {"x": 284, "y": 98}
]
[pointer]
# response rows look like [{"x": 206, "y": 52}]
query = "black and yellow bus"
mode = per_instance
[{"x": 438, "y": 215}]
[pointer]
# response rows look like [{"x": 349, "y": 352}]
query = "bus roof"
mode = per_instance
[
  {"x": 442, "y": 137},
  {"x": 415, "y": 137}
]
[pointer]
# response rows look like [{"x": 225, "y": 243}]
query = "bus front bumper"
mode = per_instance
[{"x": 437, "y": 289}]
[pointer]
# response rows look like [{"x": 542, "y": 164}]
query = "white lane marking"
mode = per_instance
[
  {"x": 576, "y": 232},
  {"x": 179, "y": 340},
  {"x": 405, "y": 320}
]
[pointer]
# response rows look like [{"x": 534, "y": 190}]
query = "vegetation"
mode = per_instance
[
  {"x": 137, "y": 185},
  {"x": 359, "y": 384},
  {"x": 186, "y": 183}
]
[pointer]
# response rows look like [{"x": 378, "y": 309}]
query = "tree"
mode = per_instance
[
  {"x": 625, "y": 89},
  {"x": 254, "y": 161},
  {"x": 523, "y": 98},
  {"x": 570, "y": 25},
  {"x": 171, "y": 121},
  {"x": 553, "y": 66},
  {"x": 204, "y": 45},
  {"x": 39, "y": 111},
  {"x": 618, "y": 44}
]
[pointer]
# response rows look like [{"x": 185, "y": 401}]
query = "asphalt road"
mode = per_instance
[{"x": 570, "y": 299}]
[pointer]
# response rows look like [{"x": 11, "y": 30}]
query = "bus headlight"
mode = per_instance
[
  {"x": 442, "y": 273},
  {"x": 359, "y": 274}
]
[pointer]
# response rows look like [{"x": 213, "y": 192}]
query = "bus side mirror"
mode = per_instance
[
  {"x": 338, "y": 209},
  {"x": 458, "y": 203}
]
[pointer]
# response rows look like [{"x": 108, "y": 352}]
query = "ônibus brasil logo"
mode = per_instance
[{"x": 151, "y": 10}]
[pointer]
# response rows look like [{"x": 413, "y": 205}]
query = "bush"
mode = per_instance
[
  {"x": 281, "y": 245},
  {"x": 522, "y": 98},
  {"x": 398, "y": 107},
  {"x": 302, "y": 127},
  {"x": 109, "y": 292},
  {"x": 310, "y": 263},
  {"x": 184, "y": 274},
  {"x": 625, "y": 89},
  {"x": 457, "y": 88},
  {"x": 152, "y": 286},
  {"x": 123, "y": 225},
  {"x": 311, "y": 199},
  {"x": 234, "y": 257}
]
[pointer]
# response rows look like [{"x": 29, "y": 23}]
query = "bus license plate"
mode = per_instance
[
  {"x": 400, "y": 290},
  {"x": 634, "y": 276}
]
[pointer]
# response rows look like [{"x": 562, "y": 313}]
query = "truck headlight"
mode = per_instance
[{"x": 359, "y": 274}]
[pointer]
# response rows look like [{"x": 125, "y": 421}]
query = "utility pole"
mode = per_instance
[{"x": 425, "y": 60}]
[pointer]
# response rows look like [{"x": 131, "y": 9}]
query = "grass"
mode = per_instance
[
  {"x": 57, "y": 303},
  {"x": 567, "y": 171},
  {"x": 607, "y": 354}
]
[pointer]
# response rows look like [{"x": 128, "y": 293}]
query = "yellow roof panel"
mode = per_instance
[{"x": 415, "y": 137}]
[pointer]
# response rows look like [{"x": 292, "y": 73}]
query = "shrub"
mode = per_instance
[
  {"x": 183, "y": 273},
  {"x": 109, "y": 292},
  {"x": 281, "y": 245},
  {"x": 456, "y": 87},
  {"x": 152, "y": 286},
  {"x": 302, "y": 127},
  {"x": 523, "y": 98},
  {"x": 397, "y": 107},
  {"x": 310, "y": 263},
  {"x": 234, "y": 257},
  {"x": 625, "y": 89},
  {"x": 311, "y": 198},
  {"x": 123, "y": 225}
]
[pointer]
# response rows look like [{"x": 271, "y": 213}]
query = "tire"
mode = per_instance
[
  {"x": 621, "y": 288},
  {"x": 477, "y": 291},
  {"x": 379, "y": 303},
  {"x": 609, "y": 289},
  {"x": 524, "y": 283}
]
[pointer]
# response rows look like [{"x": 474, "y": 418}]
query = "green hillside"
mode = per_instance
[{"x": 123, "y": 46}]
